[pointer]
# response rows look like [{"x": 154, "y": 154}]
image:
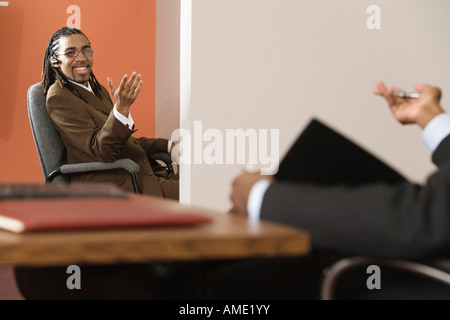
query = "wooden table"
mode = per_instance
[{"x": 228, "y": 236}]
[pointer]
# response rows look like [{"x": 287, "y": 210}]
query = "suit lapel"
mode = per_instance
[{"x": 104, "y": 106}]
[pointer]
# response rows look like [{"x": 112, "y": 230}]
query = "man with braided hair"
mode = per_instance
[{"x": 92, "y": 127}]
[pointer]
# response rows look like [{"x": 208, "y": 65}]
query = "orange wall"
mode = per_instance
[{"x": 122, "y": 33}]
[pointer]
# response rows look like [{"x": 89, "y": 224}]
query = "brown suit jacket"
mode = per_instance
[{"x": 91, "y": 132}]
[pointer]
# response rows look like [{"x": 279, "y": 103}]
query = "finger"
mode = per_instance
[
  {"x": 131, "y": 81},
  {"x": 123, "y": 82},
  {"x": 112, "y": 87},
  {"x": 383, "y": 91},
  {"x": 420, "y": 87},
  {"x": 138, "y": 89},
  {"x": 135, "y": 82},
  {"x": 379, "y": 87},
  {"x": 388, "y": 94}
]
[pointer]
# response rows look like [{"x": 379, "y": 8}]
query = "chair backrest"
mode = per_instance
[{"x": 49, "y": 145}]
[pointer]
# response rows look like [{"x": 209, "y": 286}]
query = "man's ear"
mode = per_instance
[{"x": 54, "y": 61}]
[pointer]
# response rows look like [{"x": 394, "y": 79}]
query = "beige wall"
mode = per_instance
[
  {"x": 167, "y": 67},
  {"x": 275, "y": 64}
]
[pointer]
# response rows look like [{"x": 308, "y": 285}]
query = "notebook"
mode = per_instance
[
  {"x": 321, "y": 155},
  {"x": 108, "y": 209}
]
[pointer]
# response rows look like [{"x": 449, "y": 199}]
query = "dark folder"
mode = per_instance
[{"x": 323, "y": 156}]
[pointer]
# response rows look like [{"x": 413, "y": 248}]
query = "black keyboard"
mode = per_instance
[{"x": 59, "y": 190}]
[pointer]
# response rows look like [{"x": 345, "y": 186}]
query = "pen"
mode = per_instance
[{"x": 406, "y": 95}]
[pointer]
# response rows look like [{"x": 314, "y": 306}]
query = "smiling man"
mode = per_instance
[
  {"x": 77, "y": 69},
  {"x": 92, "y": 127}
]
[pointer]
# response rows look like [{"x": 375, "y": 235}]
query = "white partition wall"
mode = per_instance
[
  {"x": 260, "y": 65},
  {"x": 167, "y": 67}
]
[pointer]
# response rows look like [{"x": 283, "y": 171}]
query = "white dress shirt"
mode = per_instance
[{"x": 433, "y": 134}]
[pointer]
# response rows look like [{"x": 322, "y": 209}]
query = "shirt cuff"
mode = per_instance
[
  {"x": 127, "y": 121},
  {"x": 255, "y": 199},
  {"x": 436, "y": 131}
]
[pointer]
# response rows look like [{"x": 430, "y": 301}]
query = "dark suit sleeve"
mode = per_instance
[
  {"x": 400, "y": 220},
  {"x": 442, "y": 153}
]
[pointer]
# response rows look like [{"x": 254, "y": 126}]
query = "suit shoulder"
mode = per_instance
[
  {"x": 442, "y": 153},
  {"x": 55, "y": 88}
]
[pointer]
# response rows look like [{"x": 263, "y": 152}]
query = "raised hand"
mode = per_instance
[
  {"x": 412, "y": 110},
  {"x": 127, "y": 92}
]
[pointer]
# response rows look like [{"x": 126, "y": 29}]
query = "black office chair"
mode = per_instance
[
  {"x": 52, "y": 152},
  {"x": 354, "y": 279}
]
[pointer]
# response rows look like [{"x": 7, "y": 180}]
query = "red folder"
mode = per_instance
[{"x": 86, "y": 213}]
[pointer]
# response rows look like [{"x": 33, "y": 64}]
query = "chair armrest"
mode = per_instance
[
  {"x": 126, "y": 164},
  {"x": 335, "y": 272}
]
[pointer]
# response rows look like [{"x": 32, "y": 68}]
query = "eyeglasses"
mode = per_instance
[{"x": 74, "y": 53}]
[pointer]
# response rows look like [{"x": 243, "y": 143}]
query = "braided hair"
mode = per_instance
[{"x": 50, "y": 74}]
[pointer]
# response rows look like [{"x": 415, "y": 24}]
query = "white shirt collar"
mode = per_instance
[{"x": 88, "y": 88}]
